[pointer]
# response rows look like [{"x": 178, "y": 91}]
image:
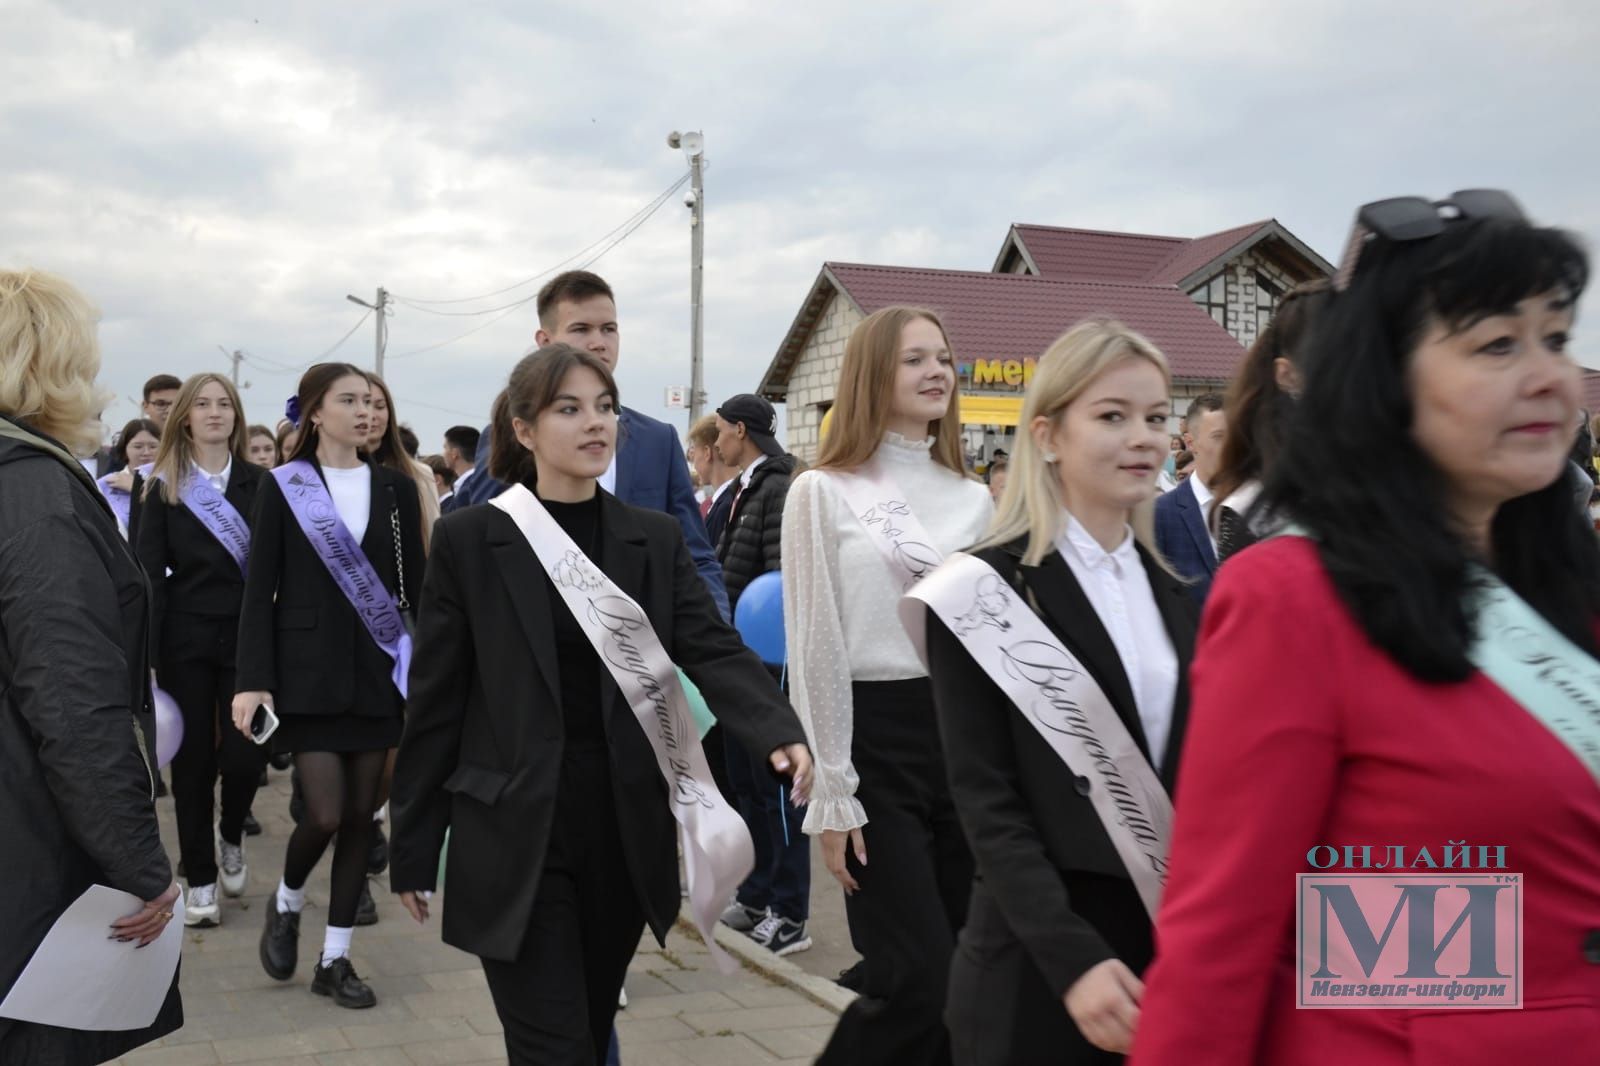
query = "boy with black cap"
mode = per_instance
[{"x": 774, "y": 902}]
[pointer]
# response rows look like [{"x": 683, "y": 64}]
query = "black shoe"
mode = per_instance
[
  {"x": 853, "y": 978},
  {"x": 367, "y": 908},
  {"x": 297, "y": 799},
  {"x": 339, "y": 980},
  {"x": 281, "y": 761},
  {"x": 263, "y": 781},
  {"x": 378, "y": 855},
  {"x": 252, "y": 828},
  {"x": 280, "y": 941}
]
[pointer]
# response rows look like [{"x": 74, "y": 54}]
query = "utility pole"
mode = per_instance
[
  {"x": 237, "y": 356},
  {"x": 383, "y": 328},
  {"x": 693, "y": 145}
]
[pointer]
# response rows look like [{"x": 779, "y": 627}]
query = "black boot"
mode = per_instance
[
  {"x": 366, "y": 907},
  {"x": 339, "y": 980},
  {"x": 281, "y": 760},
  {"x": 280, "y": 941},
  {"x": 252, "y": 828}
]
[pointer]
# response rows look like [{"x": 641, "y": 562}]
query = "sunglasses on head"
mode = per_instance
[{"x": 1415, "y": 218}]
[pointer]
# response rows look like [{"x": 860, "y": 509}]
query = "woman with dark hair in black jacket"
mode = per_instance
[{"x": 306, "y": 651}]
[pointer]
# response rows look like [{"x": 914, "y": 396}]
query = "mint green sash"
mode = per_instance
[{"x": 1532, "y": 662}]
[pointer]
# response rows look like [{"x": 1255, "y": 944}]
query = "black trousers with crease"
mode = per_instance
[{"x": 914, "y": 888}]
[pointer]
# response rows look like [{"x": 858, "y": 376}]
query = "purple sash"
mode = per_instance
[
  {"x": 121, "y": 502},
  {"x": 312, "y": 507},
  {"x": 219, "y": 517}
]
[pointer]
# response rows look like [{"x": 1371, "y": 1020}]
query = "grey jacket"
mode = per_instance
[{"x": 76, "y": 787}]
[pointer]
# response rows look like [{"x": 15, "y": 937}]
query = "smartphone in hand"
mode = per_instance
[{"x": 263, "y": 724}]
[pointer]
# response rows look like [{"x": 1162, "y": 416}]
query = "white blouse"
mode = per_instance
[
  {"x": 841, "y": 606},
  {"x": 352, "y": 496},
  {"x": 1119, "y": 590}
]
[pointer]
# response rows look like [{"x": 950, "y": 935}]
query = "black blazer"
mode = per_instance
[
  {"x": 484, "y": 731},
  {"x": 299, "y": 638},
  {"x": 205, "y": 581},
  {"x": 1048, "y": 874}
]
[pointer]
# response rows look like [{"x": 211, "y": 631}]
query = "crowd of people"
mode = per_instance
[{"x": 1063, "y": 733}]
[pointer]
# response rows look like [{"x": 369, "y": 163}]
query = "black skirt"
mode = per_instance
[{"x": 336, "y": 732}]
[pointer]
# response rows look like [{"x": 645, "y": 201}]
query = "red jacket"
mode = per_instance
[{"x": 1301, "y": 734}]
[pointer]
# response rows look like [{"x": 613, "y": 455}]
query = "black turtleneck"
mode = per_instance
[{"x": 580, "y": 664}]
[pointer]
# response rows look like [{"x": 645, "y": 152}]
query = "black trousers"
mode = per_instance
[
  {"x": 557, "y": 1000},
  {"x": 196, "y": 669},
  {"x": 914, "y": 888}
]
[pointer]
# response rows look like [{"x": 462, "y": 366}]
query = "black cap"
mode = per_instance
[{"x": 760, "y": 420}]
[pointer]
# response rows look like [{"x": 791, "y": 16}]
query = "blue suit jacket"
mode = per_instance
[
  {"x": 651, "y": 472},
  {"x": 1181, "y": 537}
]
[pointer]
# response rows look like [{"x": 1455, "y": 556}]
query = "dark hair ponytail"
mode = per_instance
[{"x": 534, "y": 384}]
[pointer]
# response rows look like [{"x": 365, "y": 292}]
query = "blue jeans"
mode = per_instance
[{"x": 781, "y": 878}]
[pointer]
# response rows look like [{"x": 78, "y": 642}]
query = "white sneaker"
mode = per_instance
[
  {"x": 234, "y": 871},
  {"x": 200, "y": 908}
]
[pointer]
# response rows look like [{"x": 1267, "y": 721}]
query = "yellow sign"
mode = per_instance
[{"x": 1013, "y": 373}]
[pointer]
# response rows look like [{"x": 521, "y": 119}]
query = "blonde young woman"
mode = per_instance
[
  {"x": 891, "y": 464},
  {"x": 1047, "y": 967},
  {"x": 193, "y": 539},
  {"x": 385, "y": 448},
  {"x": 76, "y": 790}
]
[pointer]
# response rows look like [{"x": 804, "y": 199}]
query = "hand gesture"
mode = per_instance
[
  {"x": 244, "y": 708},
  {"x": 150, "y": 921},
  {"x": 1104, "y": 1003}
]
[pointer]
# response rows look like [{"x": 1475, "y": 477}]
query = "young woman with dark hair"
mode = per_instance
[
  {"x": 323, "y": 641},
  {"x": 1412, "y": 667},
  {"x": 194, "y": 542},
  {"x": 891, "y": 462},
  {"x": 136, "y": 447},
  {"x": 1260, "y": 404},
  {"x": 546, "y": 729}
]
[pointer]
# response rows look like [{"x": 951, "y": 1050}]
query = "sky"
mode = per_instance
[{"x": 220, "y": 175}]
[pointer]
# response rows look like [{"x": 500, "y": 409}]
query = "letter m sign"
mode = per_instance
[{"x": 1408, "y": 940}]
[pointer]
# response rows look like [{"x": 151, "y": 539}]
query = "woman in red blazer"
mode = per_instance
[{"x": 1337, "y": 700}]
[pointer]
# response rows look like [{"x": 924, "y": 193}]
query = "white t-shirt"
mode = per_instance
[{"x": 352, "y": 497}]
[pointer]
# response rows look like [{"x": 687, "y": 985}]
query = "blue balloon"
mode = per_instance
[{"x": 759, "y": 617}]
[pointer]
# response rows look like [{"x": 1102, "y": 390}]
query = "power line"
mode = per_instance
[
  {"x": 646, "y": 211},
  {"x": 273, "y": 366},
  {"x": 632, "y": 226}
]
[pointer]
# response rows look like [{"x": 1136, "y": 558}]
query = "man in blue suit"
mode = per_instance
[
  {"x": 578, "y": 308},
  {"x": 1183, "y": 533}
]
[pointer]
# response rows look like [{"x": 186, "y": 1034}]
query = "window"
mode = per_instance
[
  {"x": 1267, "y": 296},
  {"x": 1213, "y": 296}
]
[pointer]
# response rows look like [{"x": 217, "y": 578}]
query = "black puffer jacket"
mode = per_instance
[
  {"x": 76, "y": 803},
  {"x": 750, "y": 544}
]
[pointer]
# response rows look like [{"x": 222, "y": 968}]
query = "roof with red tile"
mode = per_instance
[
  {"x": 1002, "y": 316},
  {"x": 1085, "y": 253},
  {"x": 1203, "y": 251},
  {"x": 1591, "y": 391}
]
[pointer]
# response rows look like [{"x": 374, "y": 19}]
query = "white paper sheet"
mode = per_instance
[{"x": 79, "y": 978}]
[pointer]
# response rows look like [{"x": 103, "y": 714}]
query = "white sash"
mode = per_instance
[
  {"x": 883, "y": 512},
  {"x": 1058, "y": 698},
  {"x": 717, "y": 851}
]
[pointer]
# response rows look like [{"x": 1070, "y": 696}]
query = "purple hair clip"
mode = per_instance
[{"x": 291, "y": 411}]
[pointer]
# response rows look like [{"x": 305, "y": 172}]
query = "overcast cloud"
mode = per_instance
[{"x": 223, "y": 174}]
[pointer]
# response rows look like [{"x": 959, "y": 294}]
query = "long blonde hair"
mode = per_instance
[
  {"x": 1031, "y": 504},
  {"x": 176, "y": 453},
  {"x": 49, "y": 358},
  {"x": 866, "y": 391}
]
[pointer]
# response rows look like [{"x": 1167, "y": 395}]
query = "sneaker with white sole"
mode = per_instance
[
  {"x": 622, "y": 999},
  {"x": 781, "y": 936},
  {"x": 234, "y": 871},
  {"x": 742, "y": 919},
  {"x": 200, "y": 910}
]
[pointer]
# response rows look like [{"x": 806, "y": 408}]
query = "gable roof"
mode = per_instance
[
  {"x": 1099, "y": 255},
  {"x": 1006, "y": 316}
]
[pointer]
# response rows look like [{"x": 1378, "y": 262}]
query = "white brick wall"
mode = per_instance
[{"x": 815, "y": 377}]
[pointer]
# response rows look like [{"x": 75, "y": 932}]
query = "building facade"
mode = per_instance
[{"x": 1201, "y": 300}]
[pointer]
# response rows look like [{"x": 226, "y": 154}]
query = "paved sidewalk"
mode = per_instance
[{"x": 433, "y": 1006}]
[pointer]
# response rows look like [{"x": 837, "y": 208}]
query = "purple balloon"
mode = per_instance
[{"x": 169, "y": 726}]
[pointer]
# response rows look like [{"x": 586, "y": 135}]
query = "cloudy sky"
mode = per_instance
[{"x": 223, "y": 173}]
